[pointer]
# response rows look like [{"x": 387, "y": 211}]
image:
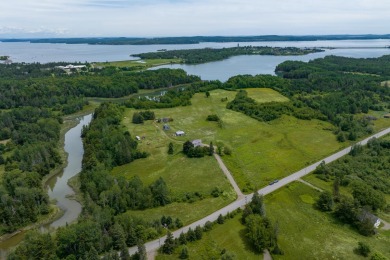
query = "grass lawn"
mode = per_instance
[
  {"x": 325, "y": 185},
  {"x": 143, "y": 64},
  {"x": 181, "y": 174},
  {"x": 263, "y": 95},
  {"x": 306, "y": 233},
  {"x": 186, "y": 212},
  {"x": 229, "y": 236}
]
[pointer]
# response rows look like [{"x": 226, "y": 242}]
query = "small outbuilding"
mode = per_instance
[
  {"x": 180, "y": 133},
  {"x": 138, "y": 138},
  {"x": 387, "y": 115}
]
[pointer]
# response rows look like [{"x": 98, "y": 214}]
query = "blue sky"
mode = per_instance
[{"x": 148, "y": 18}]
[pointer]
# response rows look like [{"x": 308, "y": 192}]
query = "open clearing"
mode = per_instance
[
  {"x": 186, "y": 212},
  {"x": 229, "y": 236},
  {"x": 304, "y": 231},
  {"x": 142, "y": 64},
  {"x": 261, "y": 151},
  {"x": 263, "y": 95}
]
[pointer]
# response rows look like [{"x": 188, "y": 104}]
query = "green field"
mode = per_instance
[
  {"x": 261, "y": 151},
  {"x": 142, "y": 64},
  {"x": 186, "y": 212},
  {"x": 325, "y": 185},
  {"x": 263, "y": 95},
  {"x": 229, "y": 236},
  {"x": 306, "y": 233},
  {"x": 181, "y": 174}
]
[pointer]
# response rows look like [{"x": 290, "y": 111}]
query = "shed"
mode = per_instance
[
  {"x": 180, "y": 133},
  {"x": 387, "y": 115}
]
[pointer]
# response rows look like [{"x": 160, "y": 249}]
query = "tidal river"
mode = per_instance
[{"x": 57, "y": 186}]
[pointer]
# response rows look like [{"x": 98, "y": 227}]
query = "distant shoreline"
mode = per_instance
[{"x": 196, "y": 39}]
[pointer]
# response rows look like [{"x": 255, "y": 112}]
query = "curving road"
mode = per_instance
[{"x": 155, "y": 244}]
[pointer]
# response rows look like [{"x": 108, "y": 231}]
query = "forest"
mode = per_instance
[
  {"x": 366, "y": 172},
  {"x": 196, "y": 56},
  {"x": 47, "y": 86},
  {"x": 34, "y": 97},
  {"x": 197, "y": 39}
]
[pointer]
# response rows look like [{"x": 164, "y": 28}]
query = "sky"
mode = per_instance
[{"x": 157, "y": 18}]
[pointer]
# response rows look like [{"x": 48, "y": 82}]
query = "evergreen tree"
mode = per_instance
[
  {"x": 211, "y": 149},
  {"x": 170, "y": 148},
  {"x": 182, "y": 239},
  {"x": 137, "y": 118},
  {"x": 198, "y": 233},
  {"x": 124, "y": 252},
  {"x": 325, "y": 201},
  {"x": 141, "y": 251},
  {"x": 169, "y": 244},
  {"x": 220, "y": 219},
  {"x": 184, "y": 253}
]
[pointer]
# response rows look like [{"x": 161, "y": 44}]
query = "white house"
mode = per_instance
[{"x": 197, "y": 142}]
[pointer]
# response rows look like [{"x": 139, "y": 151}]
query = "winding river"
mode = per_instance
[{"x": 57, "y": 186}]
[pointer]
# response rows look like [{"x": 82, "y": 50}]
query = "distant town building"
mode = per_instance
[{"x": 70, "y": 66}]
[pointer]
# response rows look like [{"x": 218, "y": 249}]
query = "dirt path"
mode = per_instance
[
  {"x": 386, "y": 225},
  {"x": 267, "y": 255},
  {"x": 152, "y": 255},
  {"x": 309, "y": 184},
  {"x": 227, "y": 173}
]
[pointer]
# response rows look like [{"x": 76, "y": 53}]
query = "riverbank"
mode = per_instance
[{"x": 9, "y": 240}]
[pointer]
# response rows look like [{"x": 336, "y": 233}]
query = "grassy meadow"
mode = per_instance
[
  {"x": 261, "y": 151},
  {"x": 305, "y": 231},
  {"x": 142, "y": 64},
  {"x": 186, "y": 212},
  {"x": 229, "y": 236},
  {"x": 263, "y": 95}
]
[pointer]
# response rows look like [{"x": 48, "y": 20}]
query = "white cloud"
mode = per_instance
[{"x": 190, "y": 17}]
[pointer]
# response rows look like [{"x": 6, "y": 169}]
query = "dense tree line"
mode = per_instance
[
  {"x": 30, "y": 154},
  {"x": 196, "y": 56},
  {"x": 104, "y": 224},
  {"x": 259, "y": 229},
  {"x": 198, "y": 39},
  {"x": 365, "y": 170},
  {"x": 333, "y": 88},
  {"x": 42, "y": 86},
  {"x": 271, "y": 110}
]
